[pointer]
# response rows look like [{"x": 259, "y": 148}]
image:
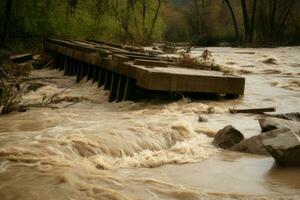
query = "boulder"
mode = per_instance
[
  {"x": 280, "y": 138},
  {"x": 284, "y": 145},
  {"x": 289, "y": 116},
  {"x": 271, "y": 123},
  {"x": 270, "y": 126},
  {"x": 251, "y": 145},
  {"x": 202, "y": 119},
  {"x": 227, "y": 137}
]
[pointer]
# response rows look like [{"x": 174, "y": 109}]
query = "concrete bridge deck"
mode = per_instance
[{"x": 123, "y": 68}]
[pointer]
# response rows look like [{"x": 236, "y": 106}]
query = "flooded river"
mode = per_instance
[{"x": 150, "y": 149}]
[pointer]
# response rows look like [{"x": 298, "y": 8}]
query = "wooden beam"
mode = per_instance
[
  {"x": 252, "y": 110},
  {"x": 20, "y": 58}
]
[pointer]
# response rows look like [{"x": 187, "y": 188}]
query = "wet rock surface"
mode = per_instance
[
  {"x": 284, "y": 145},
  {"x": 251, "y": 145},
  {"x": 228, "y": 137},
  {"x": 202, "y": 119},
  {"x": 280, "y": 138},
  {"x": 270, "y": 123},
  {"x": 289, "y": 116}
]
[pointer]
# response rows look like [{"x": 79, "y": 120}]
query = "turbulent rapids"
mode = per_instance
[{"x": 149, "y": 149}]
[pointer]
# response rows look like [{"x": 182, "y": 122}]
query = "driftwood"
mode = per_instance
[
  {"x": 253, "y": 110},
  {"x": 13, "y": 88},
  {"x": 20, "y": 58}
]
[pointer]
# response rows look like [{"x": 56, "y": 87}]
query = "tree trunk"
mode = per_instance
[
  {"x": 154, "y": 20},
  {"x": 144, "y": 19},
  {"x": 283, "y": 21},
  {"x": 273, "y": 15},
  {"x": 196, "y": 4},
  {"x": 7, "y": 13},
  {"x": 233, "y": 20},
  {"x": 246, "y": 19},
  {"x": 132, "y": 6},
  {"x": 251, "y": 34}
]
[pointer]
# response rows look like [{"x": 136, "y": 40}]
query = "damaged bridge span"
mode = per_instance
[{"x": 122, "y": 69}]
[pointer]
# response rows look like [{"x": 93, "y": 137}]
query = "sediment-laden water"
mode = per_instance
[{"x": 150, "y": 149}]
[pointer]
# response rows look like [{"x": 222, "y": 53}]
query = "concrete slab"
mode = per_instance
[{"x": 148, "y": 72}]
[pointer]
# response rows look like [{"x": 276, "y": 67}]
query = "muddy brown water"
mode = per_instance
[{"x": 151, "y": 149}]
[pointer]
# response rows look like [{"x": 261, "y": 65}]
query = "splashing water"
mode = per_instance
[{"x": 147, "y": 149}]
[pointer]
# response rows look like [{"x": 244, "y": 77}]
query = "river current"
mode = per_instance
[{"x": 149, "y": 149}]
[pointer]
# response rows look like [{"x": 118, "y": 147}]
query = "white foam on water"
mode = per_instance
[{"x": 83, "y": 151}]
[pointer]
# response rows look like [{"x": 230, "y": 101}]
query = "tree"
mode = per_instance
[
  {"x": 249, "y": 21},
  {"x": 274, "y": 15},
  {"x": 154, "y": 19},
  {"x": 128, "y": 18},
  {"x": 71, "y": 7},
  {"x": 7, "y": 15},
  {"x": 236, "y": 28},
  {"x": 147, "y": 35}
]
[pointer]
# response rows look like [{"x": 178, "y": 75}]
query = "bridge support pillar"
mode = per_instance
[
  {"x": 79, "y": 72},
  {"x": 107, "y": 80},
  {"x": 96, "y": 74},
  {"x": 74, "y": 67},
  {"x": 114, "y": 87},
  {"x": 130, "y": 89},
  {"x": 90, "y": 74},
  {"x": 66, "y": 65},
  {"x": 84, "y": 70},
  {"x": 62, "y": 62},
  {"x": 102, "y": 73},
  {"x": 121, "y": 88}
]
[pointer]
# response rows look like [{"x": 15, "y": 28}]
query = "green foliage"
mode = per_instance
[
  {"x": 38, "y": 19},
  {"x": 206, "y": 22}
]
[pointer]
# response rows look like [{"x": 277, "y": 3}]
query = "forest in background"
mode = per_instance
[{"x": 25, "y": 23}]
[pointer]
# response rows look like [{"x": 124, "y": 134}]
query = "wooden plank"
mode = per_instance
[
  {"x": 253, "y": 110},
  {"x": 136, "y": 54},
  {"x": 20, "y": 58},
  {"x": 120, "y": 46},
  {"x": 106, "y": 43},
  {"x": 152, "y": 63},
  {"x": 119, "y": 57},
  {"x": 134, "y": 57}
]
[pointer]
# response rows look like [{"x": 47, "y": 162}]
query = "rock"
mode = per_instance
[
  {"x": 210, "y": 110},
  {"x": 251, "y": 145},
  {"x": 289, "y": 116},
  {"x": 202, "y": 119},
  {"x": 270, "y": 61},
  {"x": 284, "y": 145},
  {"x": 255, "y": 144},
  {"x": 227, "y": 137},
  {"x": 270, "y": 123}
]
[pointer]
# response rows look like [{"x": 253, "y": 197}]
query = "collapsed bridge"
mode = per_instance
[{"x": 122, "y": 69}]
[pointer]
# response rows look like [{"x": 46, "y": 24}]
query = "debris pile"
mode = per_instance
[
  {"x": 203, "y": 62},
  {"x": 16, "y": 80}
]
